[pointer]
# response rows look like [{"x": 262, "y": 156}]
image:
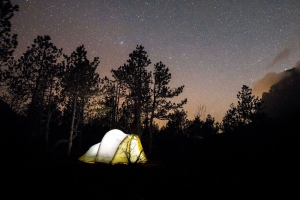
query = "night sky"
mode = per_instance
[{"x": 212, "y": 47}]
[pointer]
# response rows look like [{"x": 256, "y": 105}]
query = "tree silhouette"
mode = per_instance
[
  {"x": 115, "y": 93},
  {"x": 80, "y": 82},
  {"x": 177, "y": 123},
  {"x": 136, "y": 78},
  {"x": 194, "y": 128},
  {"x": 210, "y": 127},
  {"x": 203, "y": 129},
  {"x": 34, "y": 85},
  {"x": 247, "y": 111},
  {"x": 161, "y": 92},
  {"x": 282, "y": 100},
  {"x": 138, "y": 97},
  {"x": 173, "y": 136},
  {"x": 8, "y": 42}
]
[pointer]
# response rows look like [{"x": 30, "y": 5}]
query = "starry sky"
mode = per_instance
[{"x": 213, "y": 47}]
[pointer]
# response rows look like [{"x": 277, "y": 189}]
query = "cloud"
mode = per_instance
[
  {"x": 297, "y": 66},
  {"x": 264, "y": 84},
  {"x": 280, "y": 56},
  {"x": 271, "y": 78},
  {"x": 282, "y": 102}
]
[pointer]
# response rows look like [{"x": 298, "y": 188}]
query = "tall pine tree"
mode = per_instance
[
  {"x": 8, "y": 42},
  {"x": 80, "y": 83},
  {"x": 135, "y": 77},
  {"x": 161, "y": 94},
  {"x": 34, "y": 85}
]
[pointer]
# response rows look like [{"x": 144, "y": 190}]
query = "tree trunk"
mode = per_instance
[
  {"x": 151, "y": 121},
  {"x": 138, "y": 120},
  {"x": 150, "y": 136},
  {"x": 79, "y": 124},
  {"x": 72, "y": 127},
  {"x": 138, "y": 116},
  {"x": 47, "y": 132}
]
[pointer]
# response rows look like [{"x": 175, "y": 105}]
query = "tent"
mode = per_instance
[{"x": 116, "y": 147}]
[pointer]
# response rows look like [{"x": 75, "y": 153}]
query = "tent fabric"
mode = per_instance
[
  {"x": 116, "y": 147},
  {"x": 89, "y": 156},
  {"x": 110, "y": 143}
]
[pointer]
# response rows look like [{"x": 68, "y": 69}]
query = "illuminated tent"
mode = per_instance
[{"x": 116, "y": 147}]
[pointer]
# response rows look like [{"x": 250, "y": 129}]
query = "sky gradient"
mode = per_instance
[{"x": 212, "y": 47}]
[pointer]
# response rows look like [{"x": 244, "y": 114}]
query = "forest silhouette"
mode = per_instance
[{"x": 53, "y": 107}]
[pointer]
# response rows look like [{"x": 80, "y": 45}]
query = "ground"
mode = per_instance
[{"x": 51, "y": 178}]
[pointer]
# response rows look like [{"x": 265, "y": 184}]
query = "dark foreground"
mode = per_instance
[{"x": 33, "y": 178}]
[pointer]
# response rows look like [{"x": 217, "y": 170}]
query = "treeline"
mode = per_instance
[
  {"x": 54, "y": 91},
  {"x": 61, "y": 100}
]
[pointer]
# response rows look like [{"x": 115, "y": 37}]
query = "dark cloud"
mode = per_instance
[
  {"x": 264, "y": 84},
  {"x": 280, "y": 56},
  {"x": 282, "y": 100}
]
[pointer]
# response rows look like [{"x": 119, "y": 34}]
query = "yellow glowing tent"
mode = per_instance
[{"x": 116, "y": 147}]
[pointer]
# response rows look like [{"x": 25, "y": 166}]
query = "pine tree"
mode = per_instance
[
  {"x": 160, "y": 94},
  {"x": 8, "y": 42},
  {"x": 34, "y": 85},
  {"x": 247, "y": 111},
  {"x": 80, "y": 83},
  {"x": 136, "y": 79}
]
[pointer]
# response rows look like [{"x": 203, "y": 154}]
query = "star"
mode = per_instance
[{"x": 235, "y": 40}]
